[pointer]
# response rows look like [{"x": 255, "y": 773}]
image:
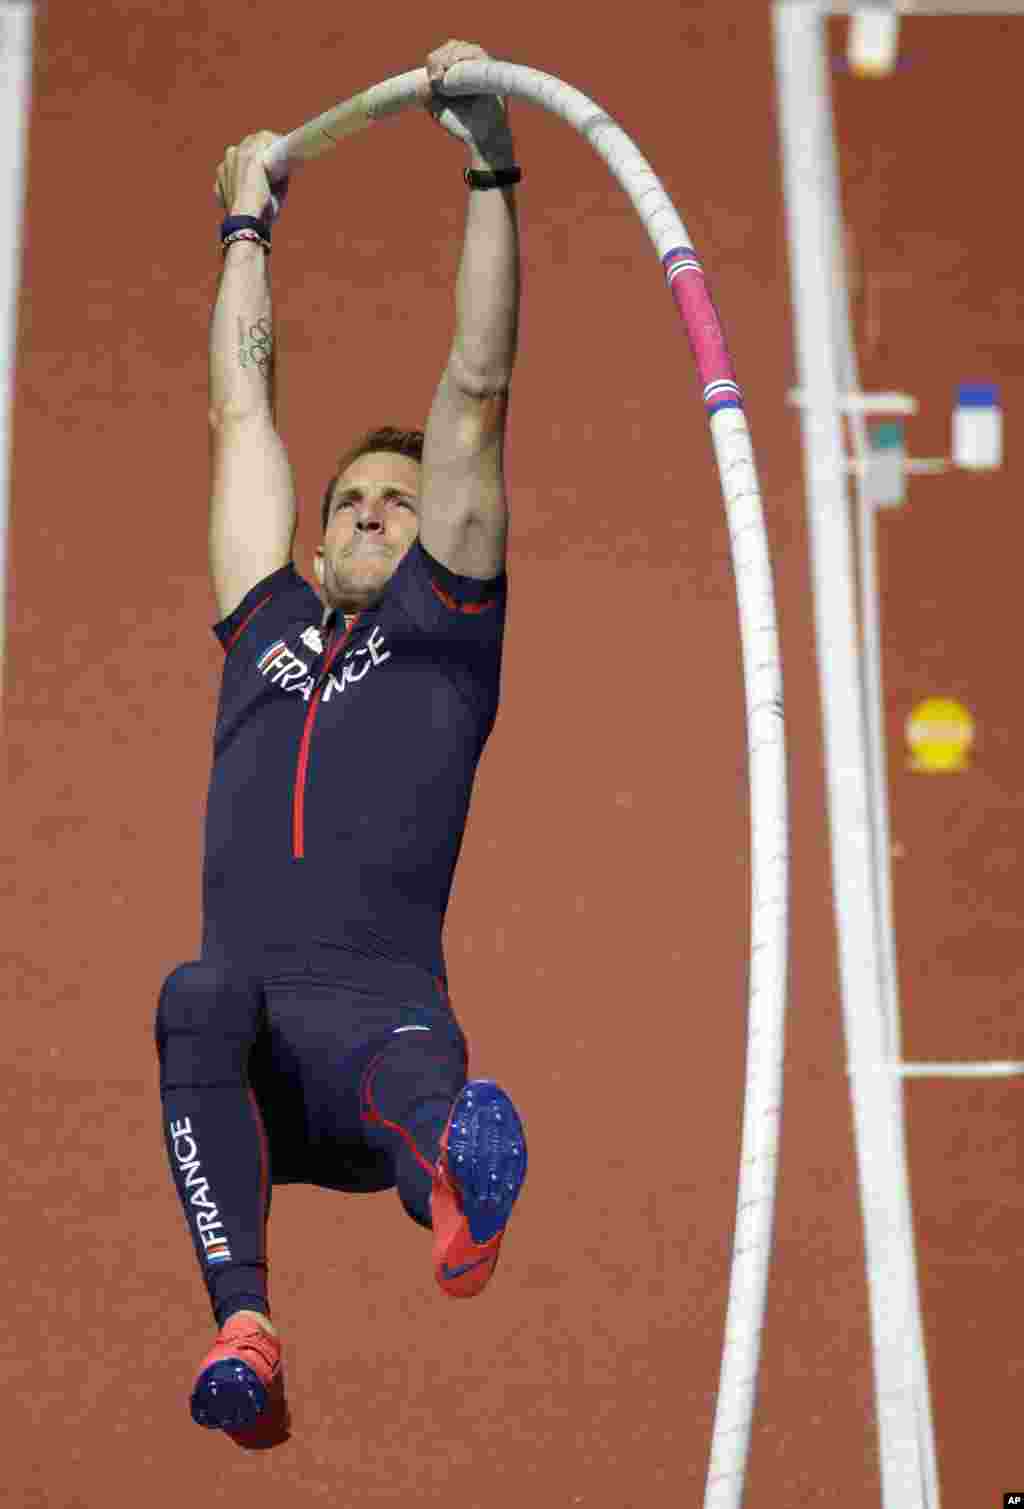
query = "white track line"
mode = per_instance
[
  {"x": 916, "y": 7},
  {"x": 956, "y": 1071}
]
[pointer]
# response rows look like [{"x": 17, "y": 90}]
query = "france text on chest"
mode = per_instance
[{"x": 285, "y": 670}]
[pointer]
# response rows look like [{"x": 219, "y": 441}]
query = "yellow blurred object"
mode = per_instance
[{"x": 940, "y": 733}]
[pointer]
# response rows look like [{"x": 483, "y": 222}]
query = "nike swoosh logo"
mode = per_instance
[{"x": 447, "y": 1272}]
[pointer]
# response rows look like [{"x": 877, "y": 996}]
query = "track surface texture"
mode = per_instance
[{"x": 597, "y": 938}]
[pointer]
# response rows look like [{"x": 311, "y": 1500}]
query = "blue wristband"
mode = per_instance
[{"x": 244, "y": 223}]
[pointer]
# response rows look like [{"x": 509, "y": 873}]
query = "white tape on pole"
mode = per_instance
[
  {"x": 15, "y": 99},
  {"x": 763, "y": 691}
]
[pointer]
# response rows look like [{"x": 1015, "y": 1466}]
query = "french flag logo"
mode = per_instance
[{"x": 270, "y": 654}]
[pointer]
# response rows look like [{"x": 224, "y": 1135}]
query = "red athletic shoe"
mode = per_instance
[
  {"x": 476, "y": 1182},
  {"x": 237, "y": 1376}
]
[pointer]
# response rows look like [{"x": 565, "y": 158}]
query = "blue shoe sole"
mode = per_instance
[
  {"x": 228, "y": 1396},
  {"x": 486, "y": 1156}
]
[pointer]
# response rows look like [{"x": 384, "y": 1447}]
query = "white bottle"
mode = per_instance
[
  {"x": 977, "y": 427},
  {"x": 872, "y": 42}
]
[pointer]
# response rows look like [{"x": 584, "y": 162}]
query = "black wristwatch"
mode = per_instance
[{"x": 499, "y": 179}]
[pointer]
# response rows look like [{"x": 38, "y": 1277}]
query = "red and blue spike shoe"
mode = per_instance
[
  {"x": 476, "y": 1182},
  {"x": 237, "y": 1376}
]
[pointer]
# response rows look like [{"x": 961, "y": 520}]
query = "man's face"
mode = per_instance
[{"x": 372, "y": 521}]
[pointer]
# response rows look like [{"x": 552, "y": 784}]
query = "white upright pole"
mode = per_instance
[
  {"x": 813, "y": 222},
  {"x": 15, "y": 92},
  {"x": 874, "y": 732}
]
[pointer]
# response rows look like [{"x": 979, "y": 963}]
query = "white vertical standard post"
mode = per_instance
[
  {"x": 867, "y": 489},
  {"x": 15, "y": 92},
  {"x": 813, "y": 224}
]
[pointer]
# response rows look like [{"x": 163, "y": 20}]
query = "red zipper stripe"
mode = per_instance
[
  {"x": 299, "y": 799},
  {"x": 299, "y": 809}
]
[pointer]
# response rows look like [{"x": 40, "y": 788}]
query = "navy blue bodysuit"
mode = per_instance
[
  {"x": 343, "y": 765},
  {"x": 314, "y": 1041}
]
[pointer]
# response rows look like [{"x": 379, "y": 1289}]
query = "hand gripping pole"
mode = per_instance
[{"x": 730, "y": 438}]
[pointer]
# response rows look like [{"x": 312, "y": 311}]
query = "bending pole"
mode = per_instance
[{"x": 762, "y": 680}]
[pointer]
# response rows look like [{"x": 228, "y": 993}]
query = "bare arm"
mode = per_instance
[
  {"x": 463, "y": 507},
  {"x": 252, "y": 492},
  {"x": 242, "y": 377},
  {"x": 487, "y": 292}
]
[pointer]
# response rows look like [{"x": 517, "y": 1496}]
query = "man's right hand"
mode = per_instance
[{"x": 242, "y": 186}]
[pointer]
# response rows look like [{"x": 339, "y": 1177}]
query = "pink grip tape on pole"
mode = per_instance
[
  {"x": 730, "y": 438},
  {"x": 689, "y": 290}
]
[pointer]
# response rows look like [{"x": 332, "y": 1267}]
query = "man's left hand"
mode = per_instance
[{"x": 478, "y": 120}]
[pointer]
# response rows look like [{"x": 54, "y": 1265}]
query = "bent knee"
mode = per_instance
[{"x": 203, "y": 1004}]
